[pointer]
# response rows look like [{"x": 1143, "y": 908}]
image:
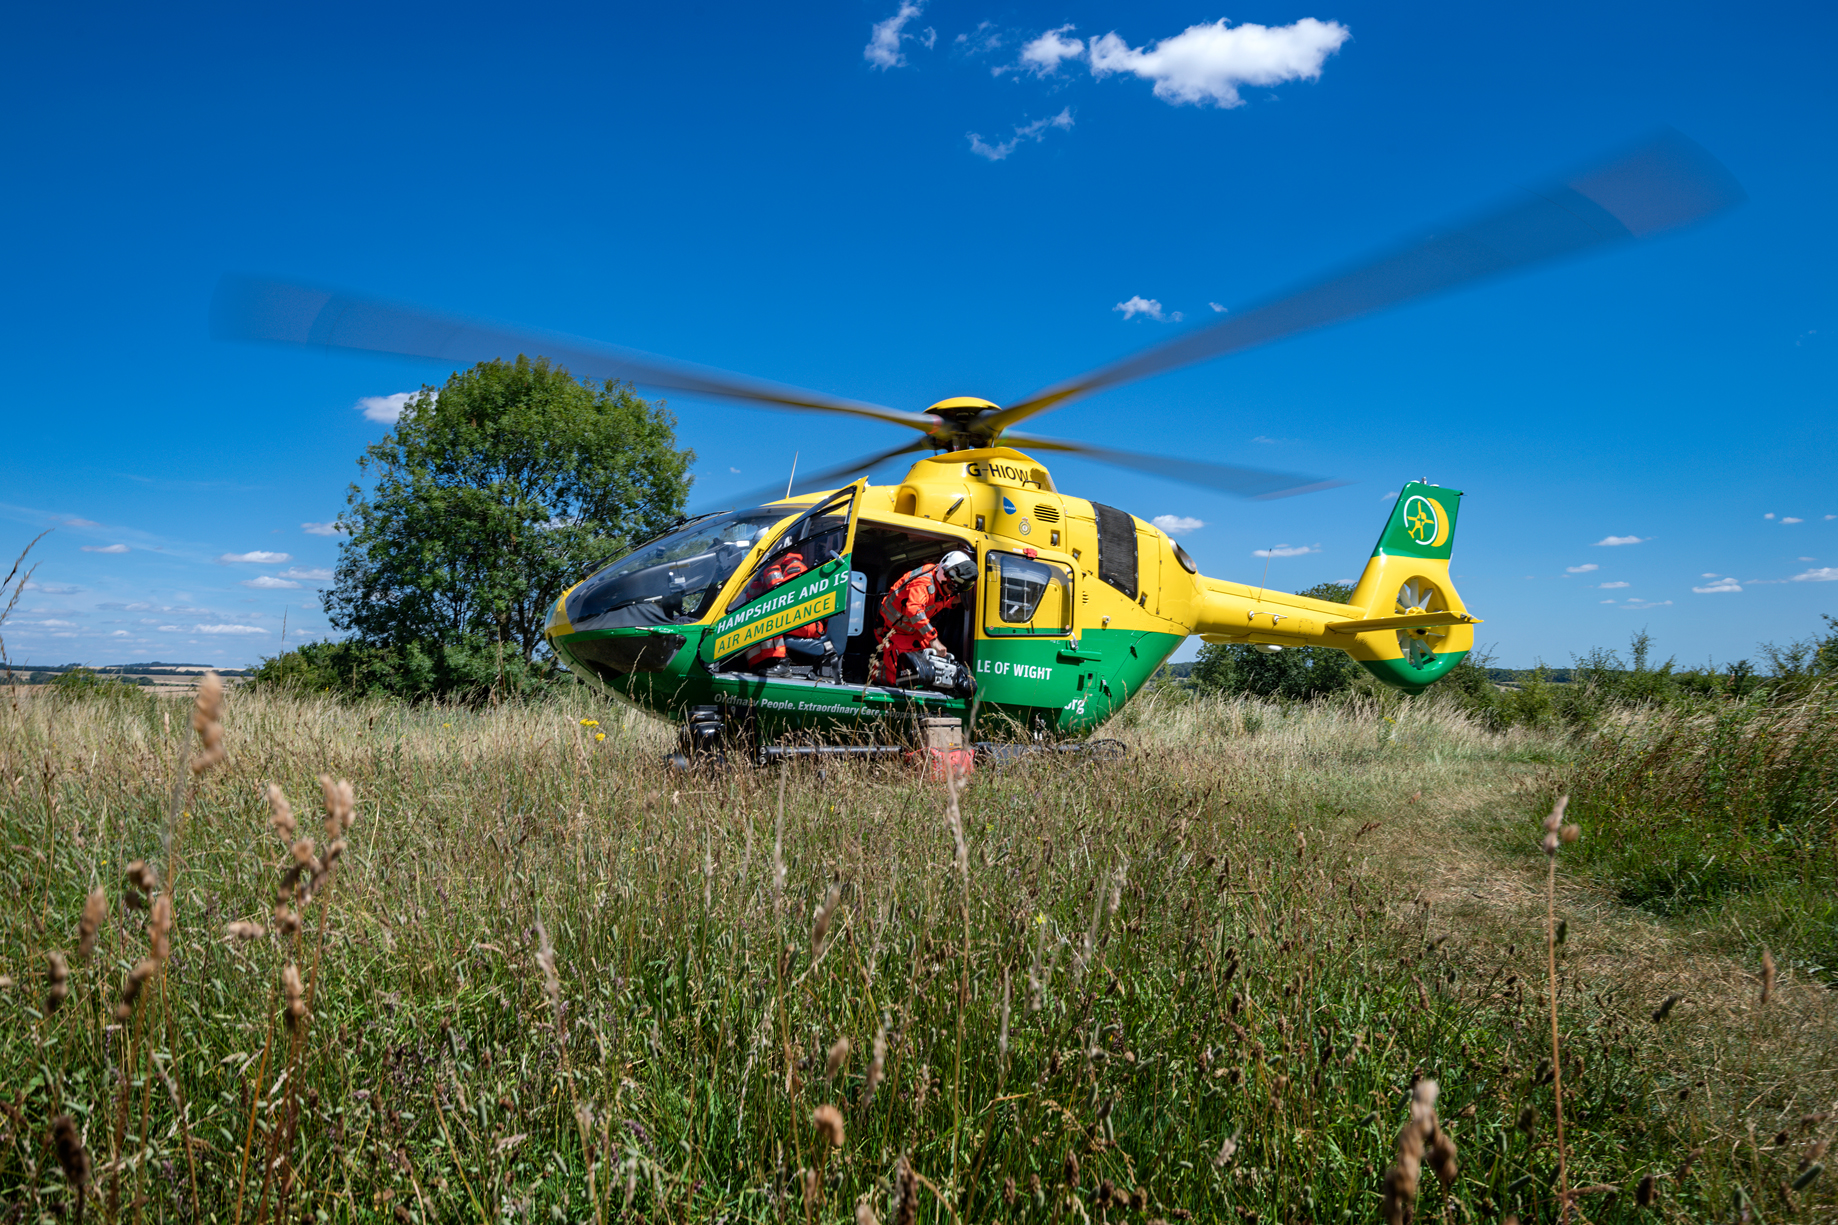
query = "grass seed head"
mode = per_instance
[
  {"x": 57, "y": 981},
  {"x": 281, "y": 814},
  {"x": 71, "y": 1157},
  {"x": 864, "y": 1215},
  {"x": 159, "y": 928},
  {"x": 295, "y": 991},
  {"x": 877, "y": 1066},
  {"x": 1767, "y": 976},
  {"x": 906, "y": 1194},
  {"x": 1647, "y": 1191},
  {"x": 1665, "y": 1007},
  {"x": 1553, "y": 823},
  {"x": 828, "y": 1122},
  {"x": 95, "y": 909},
  {"x": 206, "y": 720},
  {"x": 820, "y": 927},
  {"x": 131, "y": 986},
  {"x": 340, "y": 805},
  {"x": 838, "y": 1057},
  {"x": 141, "y": 876}
]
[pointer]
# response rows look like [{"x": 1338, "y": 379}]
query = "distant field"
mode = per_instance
[{"x": 549, "y": 980}]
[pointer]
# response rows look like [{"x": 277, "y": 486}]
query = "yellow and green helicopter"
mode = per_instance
[{"x": 1078, "y": 602}]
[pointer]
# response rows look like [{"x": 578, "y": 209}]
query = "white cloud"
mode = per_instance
[
  {"x": 227, "y": 629},
  {"x": 736, "y": 471},
  {"x": 1608, "y": 601},
  {"x": 387, "y": 409},
  {"x": 1831, "y": 517},
  {"x": 1791, "y": 519},
  {"x": 928, "y": 38},
  {"x": 267, "y": 582},
  {"x": 982, "y": 40},
  {"x": 1176, "y": 525},
  {"x": 81, "y": 523},
  {"x": 105, "y": 548},
  {"x": 69, "y": 589},
  {"x": 322, "y": 529},
  {"x": 1266, "y": 439},
  {"x": 883, "y": 49},
  {"x": 1217, "y": 309},
  {"x": 1615, "y": 586},
  {"x": 1585, "y": 568},
  {"x": 1646, "y": 604},
  {"x": 1035, "y": 131},
  {"x": 1207, "y": 63},
  {"x": 1286, "y": 550},
  {"x": 312, "y": 574},
  {"x": 257, "y": 557},
  {"x": 1386, "y": 497},
  {"x": 1042, "y": 56},
  {"x": 1824, "y": 574},
  {"x": 1611, "y": 541},
  {"x": 1769, "y": 515},
  {"x": 169, "y": 629},
  {"x": 1719, "y": 585},
  {"x": 1140, "y": 305},
  {"x": 1802, "y": 559},
  {"x": 121, "y": 634},
  {"x": 1708, "y": 574},
  {"x": 55, "y": 624}
]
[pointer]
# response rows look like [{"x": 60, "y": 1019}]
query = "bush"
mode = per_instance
[
  {"x": 472, "y": 670},
  {"x": 88, "y": 684}
]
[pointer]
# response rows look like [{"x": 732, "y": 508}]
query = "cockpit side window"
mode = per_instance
[{"x": 673, "y": 578}]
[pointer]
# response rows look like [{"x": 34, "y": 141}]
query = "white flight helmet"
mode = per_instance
[{"x": 958, "y": 568}]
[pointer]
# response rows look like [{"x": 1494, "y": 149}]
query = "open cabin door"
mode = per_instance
[{"x": 767, "y": 604}]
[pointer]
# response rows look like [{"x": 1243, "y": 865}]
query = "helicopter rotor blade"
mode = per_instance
[
  {"x": 1667, "y": 182},
  {"x": 829, "y": 478},
  {"x": 252, "y": 308},
  {"x": 1258, "y": 484}
]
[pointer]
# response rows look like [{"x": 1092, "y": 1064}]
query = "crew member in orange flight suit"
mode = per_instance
[
  {"x": 908, "y": 608},
  {"x": 770, "y": 654}
]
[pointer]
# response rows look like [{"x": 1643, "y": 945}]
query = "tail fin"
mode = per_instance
[{"x": 1407, "y": 580}]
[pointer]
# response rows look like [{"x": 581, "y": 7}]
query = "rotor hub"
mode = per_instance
[{"x": 958, "y": 418}]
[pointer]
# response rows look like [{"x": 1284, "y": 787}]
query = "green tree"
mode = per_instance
[
  {"x": 1296, "y": 672},
  {"x": 490, "y": 497}
]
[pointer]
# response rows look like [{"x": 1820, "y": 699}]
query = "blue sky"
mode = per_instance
[{"x": 772, "y": 190}]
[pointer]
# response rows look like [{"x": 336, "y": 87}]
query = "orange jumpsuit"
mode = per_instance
[
  {"x": 782, "y": 569},
  {"x": 907, "y": 610}
]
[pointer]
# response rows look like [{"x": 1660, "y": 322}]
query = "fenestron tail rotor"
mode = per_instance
[{"x": 1420, "y": 643}]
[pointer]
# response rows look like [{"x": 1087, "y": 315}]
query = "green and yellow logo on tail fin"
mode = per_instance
[{"x": 1422, "y": 524}]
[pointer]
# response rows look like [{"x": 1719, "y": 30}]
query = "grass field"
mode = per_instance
[{"x": 547, "y": 980}]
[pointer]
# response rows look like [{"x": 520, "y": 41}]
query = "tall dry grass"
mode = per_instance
[{"x": 549, "y": 978}]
